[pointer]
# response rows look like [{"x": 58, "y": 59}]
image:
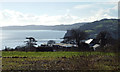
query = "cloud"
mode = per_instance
[
  {"x": 59, "y": 0},
  {"x": 11, "y": 17},
  {"x": 83, "y": 6},
  {"x": 96, "y": 11},
  {"x": 104, "y": 13},
  {"x": 107, "y": 3},
  {"x": 112, "y": 11},
  {"x": 115, "y": 7}
]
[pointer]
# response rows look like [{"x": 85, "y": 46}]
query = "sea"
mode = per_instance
[{"x": 14, "y": 38}]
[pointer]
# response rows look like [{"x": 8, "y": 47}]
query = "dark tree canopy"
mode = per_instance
[
  {"x": 77, "y": 35},
  {"x": 50, "y": 42},
  {"x": 104, "y": 37}
]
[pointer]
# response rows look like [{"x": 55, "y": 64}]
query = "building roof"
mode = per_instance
[
  {"x": 88, "y": 41},
  {"x": 95, "y": 46}
]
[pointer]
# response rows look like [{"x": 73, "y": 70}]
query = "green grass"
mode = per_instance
[
  {"x": 59, "y": 61},
  {"x": 99, "y": 26},
  {"x": 51, "y": 54},
  {"x": 88, "y": 31}
]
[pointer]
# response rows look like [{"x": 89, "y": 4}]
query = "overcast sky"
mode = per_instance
[{"x": 55, "y": 13}]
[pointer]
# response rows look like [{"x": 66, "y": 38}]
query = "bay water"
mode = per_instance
[{"x": 13, "y": 38}]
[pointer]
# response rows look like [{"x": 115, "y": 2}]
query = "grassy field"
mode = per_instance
[{"x": 59, "y": 61}]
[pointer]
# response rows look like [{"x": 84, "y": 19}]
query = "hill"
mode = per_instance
[
  {"x": 93, "y": 28},
  {"x": 42, "y": 27}
]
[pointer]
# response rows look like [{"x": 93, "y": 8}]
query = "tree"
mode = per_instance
[
  {"x": 31, "y": 42},
  {"x": 104, "y": 38},
  {"x": 77, "y": 35},
  {"x": 51, "y": 42}
]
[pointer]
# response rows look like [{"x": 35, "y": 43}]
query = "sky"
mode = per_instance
[{"x": 55, "y": 13}]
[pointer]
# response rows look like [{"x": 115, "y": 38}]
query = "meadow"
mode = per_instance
[{"x": 15, "y": 60}]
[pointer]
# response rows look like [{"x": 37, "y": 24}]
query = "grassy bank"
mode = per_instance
[
  {"x": 59, "y": 61},
  {"x": 51, "y": 54}
]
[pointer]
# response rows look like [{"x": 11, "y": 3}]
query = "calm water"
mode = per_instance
[{"x": 13, "y": 38}]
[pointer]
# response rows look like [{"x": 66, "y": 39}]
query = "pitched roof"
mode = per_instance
[{"x": 88, "y": 41}]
